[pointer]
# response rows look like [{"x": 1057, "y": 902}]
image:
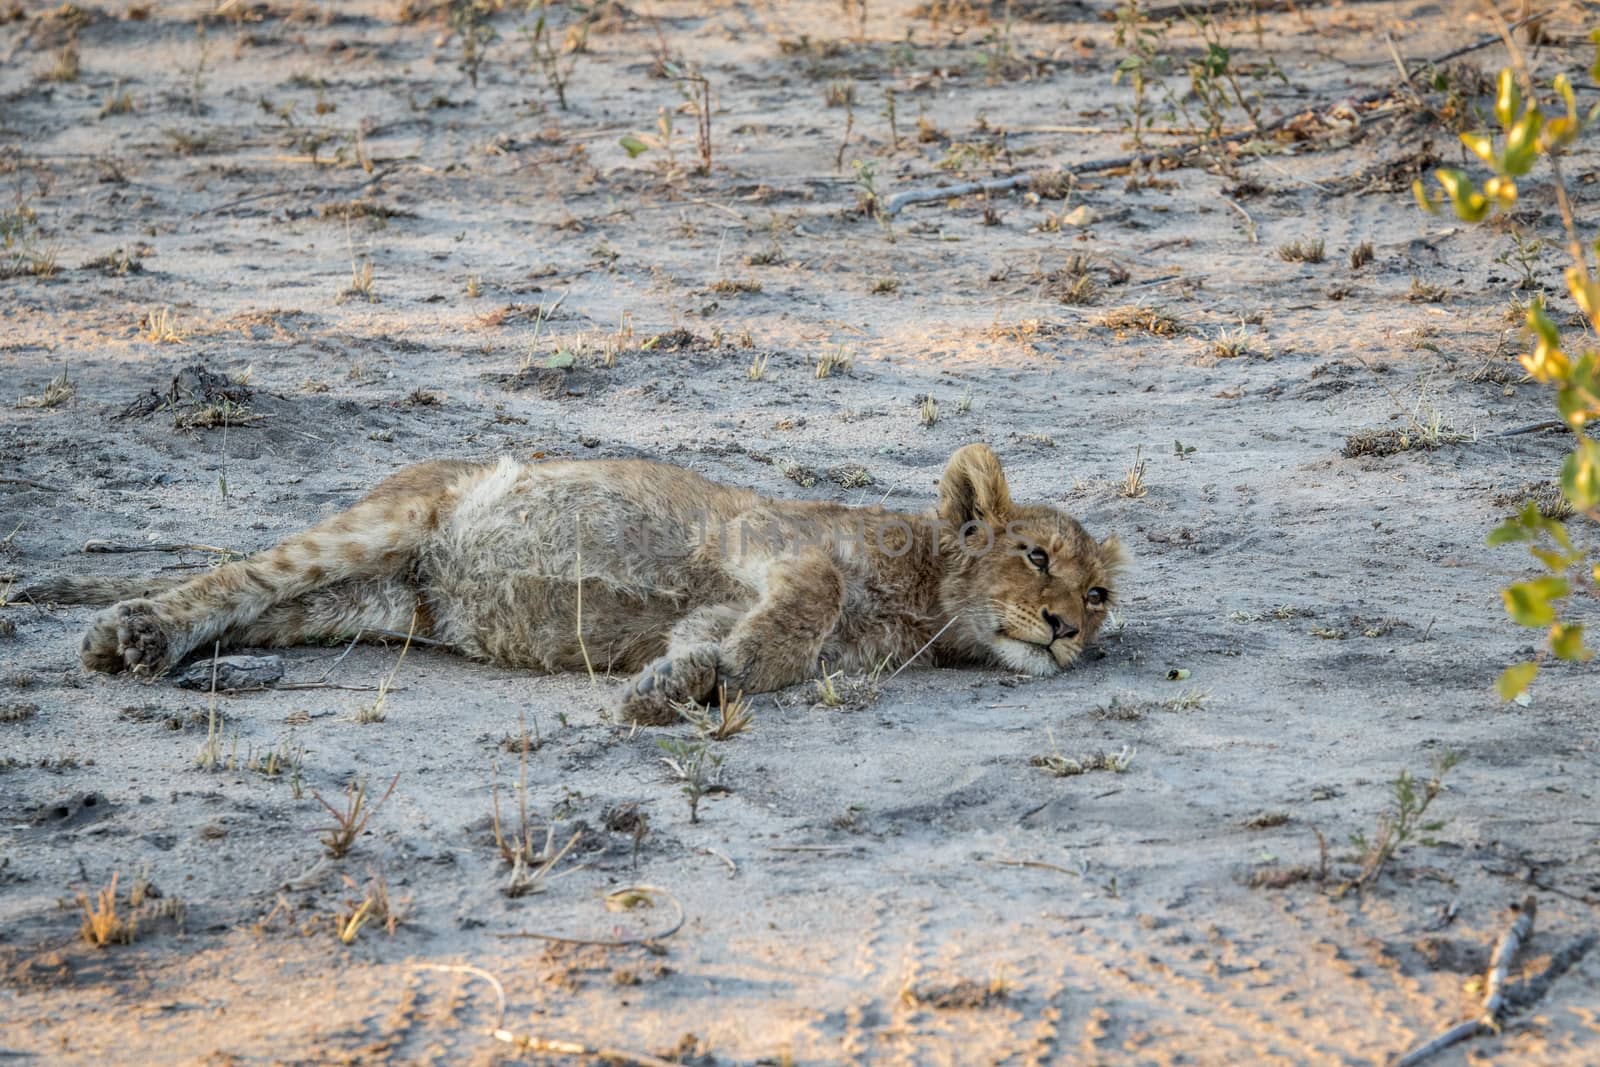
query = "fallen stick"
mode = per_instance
[
  {"x": 114, "y": 547},
  {"x": 1534, "y": 427},
  {"x": 31, "y": 484},
  {"x": 526, "y": 1043},
  {"x": 1039, "y": 864},
  {"x": 1224, "y": 7},
  {"x": 1494, "y": 1000},
  {"x": 621, "y": 942},
  {"x": 900, "y": 201}
]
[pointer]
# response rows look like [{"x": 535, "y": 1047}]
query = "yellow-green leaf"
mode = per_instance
[
  {"x": 633, "y": 145},
  {"x": 1553, "y": 561},
  {"x": 1501, "y": 190},
  {"x": 1585, "y": 290},
  {"x": 1514, "y": 680},
  {"x": 1566, "y": 641},
  {"x": 1430, "y": 206},
  {"x": 1580, "y": 475},
  {"x": 1522, "y": 143},
  {"x": 1507, "y": 532},
  {"x": 1507, "y": 100},
  {"x": 1528, "y": 603},
  {"x": 1470, "y": 205},
  {"x": 1480, "y": 145},
  {"x": 1572, "y": 407}
]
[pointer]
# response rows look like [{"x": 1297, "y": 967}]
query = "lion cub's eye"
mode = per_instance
[
  {"x": 1039, "y": 559},
  {"x": 1096, "y": 595}
]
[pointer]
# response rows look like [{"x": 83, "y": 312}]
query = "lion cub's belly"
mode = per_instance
[{"x": 530, "y": 553}]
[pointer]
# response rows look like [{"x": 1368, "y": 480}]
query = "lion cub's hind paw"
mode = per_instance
[
  {"x": 127, "y": 636},
  {"x": 652, "y": 696}
]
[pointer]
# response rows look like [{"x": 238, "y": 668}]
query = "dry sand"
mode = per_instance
[{"x": 857, "y": 894}]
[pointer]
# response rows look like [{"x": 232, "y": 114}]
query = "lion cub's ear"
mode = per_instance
[
  {"x": 974, "y": 489},
  {"x": 1113, "y": 557}
]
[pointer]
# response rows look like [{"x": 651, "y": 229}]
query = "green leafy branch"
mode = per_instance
[{"x": 1527, "y": 134}]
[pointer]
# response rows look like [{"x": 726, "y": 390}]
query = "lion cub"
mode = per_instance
[{"x": 680, "y": 582}]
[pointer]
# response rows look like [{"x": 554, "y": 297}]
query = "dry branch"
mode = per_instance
[
  {"x": 117, "y": 548},
  {"x": 1225, "y": 7},
  {"x": 1494, "y": 1000},
  {"x": 621, "y": 942}
]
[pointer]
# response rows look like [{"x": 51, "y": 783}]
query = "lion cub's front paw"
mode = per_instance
[
  {"x": 652, "y": 696},
  {"x": 128, "y": 636}
]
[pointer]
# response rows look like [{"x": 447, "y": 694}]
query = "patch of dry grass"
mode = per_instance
[{"x": 1133, "y": 318}]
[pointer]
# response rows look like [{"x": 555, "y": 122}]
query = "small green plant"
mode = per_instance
[
  {"x": 693, "y": 764},
  {"x": 469, "y": 19},
  {"x": 547, "y": 55},
  {"x": 102, "y": 925},
  {"x": 637, "y": 144},
  {"x": 696, "y": 91},
  {"x": 1402, "y": 822},
  {"x": 838, "y": 361},
  {"x": 209, "y": 756},
  {"x": 726, "y": 720},
  {"x": 1313, "y": 250},
  {"x": 1181, "y": 450},
  {"x": 66, "y": 68},
  {"x": 1145, "y": 66},
  {"x": 350, "y": 821},
  {"x": 197, "y": 73},
  {"x": 828, "y": 695},
  {"x": 373, "y": 904},
  {"x": 1132, "y": 484},
  {"x": 1524, "y": 255},
  {"x": 1066, "y": 766},
  {"x": 1526, "y": 134},
  {"x": 1232, "y": 344},
  {"x": 118, "y": 101},
  {"x": 378, "y": 710},
  {"x": 361, "y": 285},
  {"x": 867, "y": 201}
]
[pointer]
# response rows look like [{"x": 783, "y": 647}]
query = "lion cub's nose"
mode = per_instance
[{"x": 1059, "y": 627}]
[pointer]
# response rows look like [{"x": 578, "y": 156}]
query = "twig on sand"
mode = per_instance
[
  {"x": 1223, "y": 7},
  {"x": 335, "y": 664},
  {"x": 31, "y": 484},
  {"x": 95, "y": 545},
  {"x": 814, "y": 848},
  {"x": 733, "y": 868},
  {"x": 357, "y": 688},
  {"x": 529, "y": 1043},
  {"x": 1040, "y": 864},
  {"x": 900, "y": 201},
  {"x": 1494, "y": 1000},
  {"x": 1533, "y": 427},
  {"x": 620, "y": 942}
]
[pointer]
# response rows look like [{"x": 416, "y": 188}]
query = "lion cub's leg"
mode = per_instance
[
  {"x": 377, "y": 538},
  {"x": 339, "y": 611},
  {"x": 778, "y": 642},
  {"x": 687, "y": 672}
]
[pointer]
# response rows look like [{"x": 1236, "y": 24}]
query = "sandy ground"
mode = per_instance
[{"x": 890, "y": 883}]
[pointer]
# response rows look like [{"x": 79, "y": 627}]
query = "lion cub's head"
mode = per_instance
[{"x": 1024, "y": 582}]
